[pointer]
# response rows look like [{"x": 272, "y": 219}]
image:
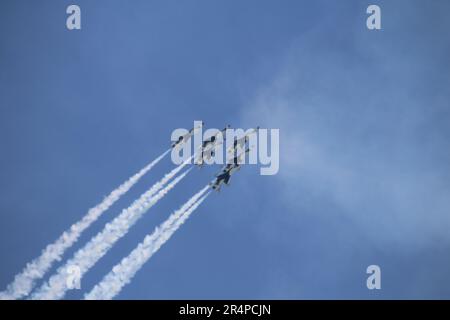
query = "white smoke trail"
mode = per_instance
[
  {"x": 124, "y": 272},
  {"x": 24, "y": 282},
  {"x": 97, "y": 247}
]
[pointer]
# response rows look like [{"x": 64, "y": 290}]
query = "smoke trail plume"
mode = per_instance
[
  {"x": 123, "y": 272},
  {"x": 86, "y": 257},
  {"x": 24, "y": 282}
]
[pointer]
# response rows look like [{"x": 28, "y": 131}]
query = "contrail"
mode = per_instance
[
  {"x": 97, "y": 247},
  {"x": 24, "y": 282},
  {"x": 123, "y": 272}
]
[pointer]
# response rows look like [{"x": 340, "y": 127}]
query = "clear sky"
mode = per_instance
[{"x": 364, "y": 120}]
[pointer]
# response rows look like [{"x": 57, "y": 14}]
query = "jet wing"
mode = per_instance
[
  {"x": 239, "y": 144},
  {"x": 225, "y": 169}
]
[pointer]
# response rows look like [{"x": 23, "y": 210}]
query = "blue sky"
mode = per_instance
[{"x": 364, "y": 125}]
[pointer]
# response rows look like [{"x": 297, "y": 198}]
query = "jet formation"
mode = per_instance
[{"x": 206, "y": 151}]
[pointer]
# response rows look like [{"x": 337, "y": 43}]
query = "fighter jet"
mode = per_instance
[
  {"x": 241, "y": 141},
  {"x": 186, "y": 137},
  {"x": 208, "y": 146},
  {"x": 224, "y": 176}
]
